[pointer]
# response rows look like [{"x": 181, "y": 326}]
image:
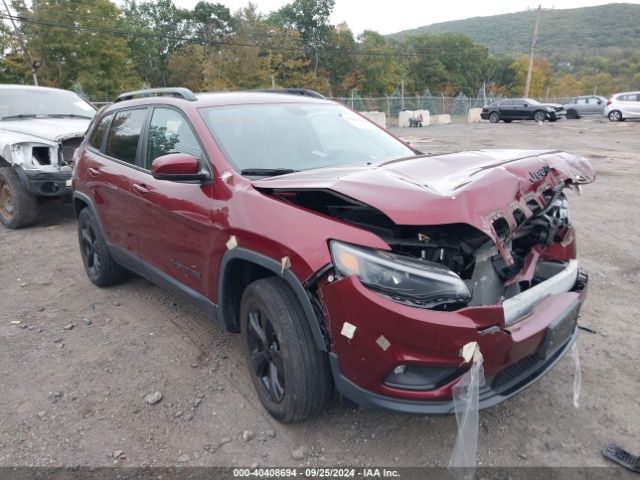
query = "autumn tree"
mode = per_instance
[{"x": 539, "y": 76}]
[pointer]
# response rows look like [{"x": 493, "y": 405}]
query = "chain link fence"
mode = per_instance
[{"x": 457, "y": 107}]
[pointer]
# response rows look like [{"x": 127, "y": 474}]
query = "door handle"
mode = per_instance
[
  {"x": 140, "y": 189},
  {"x": 93, "y": 172}
]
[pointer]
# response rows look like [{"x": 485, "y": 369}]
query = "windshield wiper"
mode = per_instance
[
  {"x": 68, "y": 115},
  {"x": 266, "y": 172},
  {"x": 20, "y": 115}
]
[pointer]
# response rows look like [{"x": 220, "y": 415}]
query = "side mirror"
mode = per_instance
[
  {"x": 177, "y": 167},
  {"x": 599, "y": 102},
  {"x": 526, "y": 104}
]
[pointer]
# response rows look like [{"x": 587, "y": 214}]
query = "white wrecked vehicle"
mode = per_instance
[{"x": 40, "y": 129}]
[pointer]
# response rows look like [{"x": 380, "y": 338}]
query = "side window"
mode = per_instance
[
  {"x": 583, "y": 101},
  {"x": 122, "y": 140},
  {"x": 98, "y": 133},
  {"x": 169, "y": 132}
]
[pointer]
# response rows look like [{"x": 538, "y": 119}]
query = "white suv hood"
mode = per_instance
[{"x": 51, "y": 129}]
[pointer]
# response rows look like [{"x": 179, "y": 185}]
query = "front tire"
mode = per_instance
[
  {"x": 539, "y": 116},
  {"x": 572, "y": 115},
  {"x": 18, "y": 207},
  {"x": 494, "y": 117},
  {"x": 290, "y": 374},
  {"x": 101, "y": 269},
  {"x": 615, "y": 116}
]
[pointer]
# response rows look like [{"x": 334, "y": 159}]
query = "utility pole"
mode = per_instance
[{"x": 533, "y": 46}]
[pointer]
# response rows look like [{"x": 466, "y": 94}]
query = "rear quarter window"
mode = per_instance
[
  {"x": 95, "y": 140},
  {"x": 124, "y": 135}
]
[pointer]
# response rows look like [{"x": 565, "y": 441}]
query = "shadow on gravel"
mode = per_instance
[{"x": 54, "y": 212}]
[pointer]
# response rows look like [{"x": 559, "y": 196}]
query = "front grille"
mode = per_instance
[
  {"x": 69, "y": 147},
  {"x": 510, "y": 377},
  {"x": 513, "y": 372}
]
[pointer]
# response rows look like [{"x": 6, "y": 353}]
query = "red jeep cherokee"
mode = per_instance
[{"x": 343, "y": 256}]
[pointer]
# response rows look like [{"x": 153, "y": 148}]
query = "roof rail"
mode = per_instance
[
  {"x": 178, "y": 92},
  {"x": 305, "y": 92}
]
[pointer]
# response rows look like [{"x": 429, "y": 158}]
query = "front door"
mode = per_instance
[
  {"x": 175, "y": 235},
  {"x": 506, "y": 109}
]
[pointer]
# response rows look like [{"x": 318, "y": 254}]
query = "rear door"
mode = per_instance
[
  {"x": 634, "y": 105},
  {"x": 594, "y": 106},
  {"x": 629, "y": 105},
  {"x": 112, "y": 154},
  {"x": 174, "y": 235}
]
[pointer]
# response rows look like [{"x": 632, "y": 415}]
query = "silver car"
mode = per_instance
[
  {"x": 585, "y": 105},
  {"x": 622, "y": 106}
]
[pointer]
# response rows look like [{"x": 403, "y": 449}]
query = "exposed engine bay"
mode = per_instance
[{"x": 462, "y": 249}]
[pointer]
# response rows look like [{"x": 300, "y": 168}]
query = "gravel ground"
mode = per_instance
[{"x": 76, "y": 373}]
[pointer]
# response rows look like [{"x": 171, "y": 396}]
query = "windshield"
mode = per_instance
[
  {"x": 261, "y": 139},
  {"x": 33, "y": 102}
]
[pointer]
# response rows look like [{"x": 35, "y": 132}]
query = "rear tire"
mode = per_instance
[
  {"x": 615, "y": 116},
  {"x": 18, "y": 207},
  {"x": 494, "y": 117},
  {"x": 290, "y": 374},
  {"x": 101, "y": 269}
]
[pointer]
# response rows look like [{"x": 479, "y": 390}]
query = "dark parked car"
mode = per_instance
[
  {"x": 585, "y": 105},
  {"x": 342, "y": 256},
  {"x": 521, "y": 109}
]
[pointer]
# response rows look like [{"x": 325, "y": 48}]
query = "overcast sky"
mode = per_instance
[{"x": 389, "y": 16}]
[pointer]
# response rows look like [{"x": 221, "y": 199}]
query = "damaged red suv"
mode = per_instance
[{"x": 342, "y": 256}]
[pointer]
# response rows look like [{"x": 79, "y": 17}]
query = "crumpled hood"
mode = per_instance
[
  {"x": 50, "y": 129},
  {"x": 468, "y": 187}
]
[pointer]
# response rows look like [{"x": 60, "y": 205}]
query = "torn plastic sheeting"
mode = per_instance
[
  {"x": 466, "y": 399},
  {"x": 577, "y": 379}
]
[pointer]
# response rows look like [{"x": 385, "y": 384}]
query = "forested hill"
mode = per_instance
[{"x": 576, "y": 31}]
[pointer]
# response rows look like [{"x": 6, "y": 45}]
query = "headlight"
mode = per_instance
[{"x": 415, "y": 282}]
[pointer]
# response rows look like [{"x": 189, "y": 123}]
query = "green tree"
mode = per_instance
[
  {"x": 68, "y": 37},
  {"x": 311, "y": 19},
  {"x": 339, "y": 59},
  {"x": 378, "y": 66},
  {"x": 158, "y": 30}
]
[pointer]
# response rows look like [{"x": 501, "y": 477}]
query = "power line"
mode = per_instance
[{"x": 128, "y": 33}]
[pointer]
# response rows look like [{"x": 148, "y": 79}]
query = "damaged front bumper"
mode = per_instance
[
  {"x": 45, "y": 183},
  {"x": 389, "y": 336}
]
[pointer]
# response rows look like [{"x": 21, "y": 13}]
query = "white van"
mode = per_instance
[{"x": 622, "y": 106}]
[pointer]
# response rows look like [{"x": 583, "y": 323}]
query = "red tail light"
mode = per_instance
[
  {"x": 485, "y": 109},
  {"x": 608, "y": 102}
]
